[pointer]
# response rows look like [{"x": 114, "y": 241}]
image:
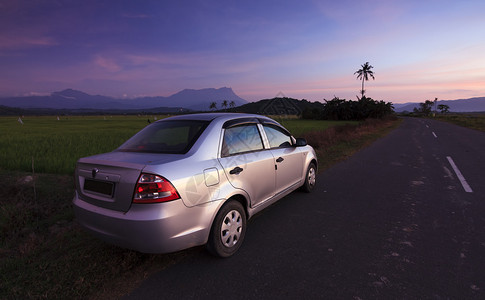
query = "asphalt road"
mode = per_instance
[{"x": 392, "y": 222}]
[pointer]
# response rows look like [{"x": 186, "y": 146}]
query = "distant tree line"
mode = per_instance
[
  {"x": 341, "y": 109},
  {"x": 335, "y": 109},
  {"x": 224, "y": 104},
  {"x": 426, "y": 108}
]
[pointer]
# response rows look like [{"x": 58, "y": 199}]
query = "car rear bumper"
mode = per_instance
[{"x": 149, "y": 228}]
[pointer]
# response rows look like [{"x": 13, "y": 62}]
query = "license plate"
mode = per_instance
[{"x": 100, "y": 187}]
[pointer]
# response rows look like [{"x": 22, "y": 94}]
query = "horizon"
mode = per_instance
[
  {"x": 303, "y": 50},
  {"x": 277, "y": 96}
]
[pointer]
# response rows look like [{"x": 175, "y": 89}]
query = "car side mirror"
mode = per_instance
[{"x": 300, "y": 142}]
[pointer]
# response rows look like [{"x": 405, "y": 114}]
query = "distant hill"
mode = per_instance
[
  {"x": 278, "y": 106},
  {"x": 195, "y": 99},
  {"x": 460, "y": 105},
  {"x": 71, "y": 99}
]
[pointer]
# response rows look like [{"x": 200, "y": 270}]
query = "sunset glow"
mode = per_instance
[{"x": 304, "y": 49}]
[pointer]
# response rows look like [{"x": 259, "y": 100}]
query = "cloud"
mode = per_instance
[
  {"x": 37, "y": 94},
  {"x": 107, "y": 64},
  {"x": 22, "y": 42}
]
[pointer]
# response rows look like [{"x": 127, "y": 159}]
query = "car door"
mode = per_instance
[
  {"x": 288, "y": 159},
  {"x": 247, "y": 165}
]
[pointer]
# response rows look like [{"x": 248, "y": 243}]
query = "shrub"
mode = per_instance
[{"x": 341, "y": 109}]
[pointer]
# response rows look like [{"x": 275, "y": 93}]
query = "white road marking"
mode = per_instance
[
  {"x": 462, "y": 179},
  {"x": 434, "y": 134}
]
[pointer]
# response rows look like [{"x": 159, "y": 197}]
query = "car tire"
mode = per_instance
[
  {"x": 228, "y": 230},
  {"x": 310, "y": 178}
]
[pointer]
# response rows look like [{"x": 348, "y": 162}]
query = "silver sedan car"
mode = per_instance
[{"x": 190, "y": 180}]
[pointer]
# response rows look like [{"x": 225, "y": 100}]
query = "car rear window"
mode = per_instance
[{"x": 174, "y": 137}]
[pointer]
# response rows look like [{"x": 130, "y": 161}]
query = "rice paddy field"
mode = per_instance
[{"x": 51, "y": 144}]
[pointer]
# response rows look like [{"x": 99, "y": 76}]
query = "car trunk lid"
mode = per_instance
[{"x": 108, "y": 180}]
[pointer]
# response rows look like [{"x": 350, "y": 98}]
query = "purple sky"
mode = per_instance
[{"x": 304, "y": 49}]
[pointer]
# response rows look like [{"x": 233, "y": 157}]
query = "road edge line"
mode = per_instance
[{"x": 462, "y": 179}]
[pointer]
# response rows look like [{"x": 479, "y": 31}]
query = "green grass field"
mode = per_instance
[
  {"x": 54, "y": 146},
  {"x": 470, "y": 120}
]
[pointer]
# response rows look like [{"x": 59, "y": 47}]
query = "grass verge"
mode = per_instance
[
  {"x": 45, "y": 255},
  {"x": 337, "y": 143},
  {"x": 471, "y": 120}
]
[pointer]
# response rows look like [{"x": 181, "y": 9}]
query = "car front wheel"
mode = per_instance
[
  {"x": 310, "y": 178},
  {"x": 228, "y": 230}
]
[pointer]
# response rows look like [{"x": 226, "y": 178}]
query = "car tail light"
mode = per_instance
[{"x": 154, "y": 189}]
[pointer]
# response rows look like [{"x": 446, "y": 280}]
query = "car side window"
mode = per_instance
[
  {"x": 276, "y": 137},
  {"x": 240, "y": 139}
]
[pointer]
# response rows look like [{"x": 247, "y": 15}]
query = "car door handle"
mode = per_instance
[
  {"x": 280, "y": 159},
  {"x": 236, "y": 171}
]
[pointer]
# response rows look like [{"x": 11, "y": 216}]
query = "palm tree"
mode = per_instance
[
  {"x": 364, "y": 74},
  {"x": 213, "y": 106},
  {"x": 232, "y": 104},
  {"x": 224, "y": 104}
]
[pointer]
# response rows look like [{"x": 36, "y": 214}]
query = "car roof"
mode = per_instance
[
  {"x": 213, "y": 116},
  {"x": 227, "y": 119}
]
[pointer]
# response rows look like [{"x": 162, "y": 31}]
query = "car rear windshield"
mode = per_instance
[{"x": 174, "y": 137}]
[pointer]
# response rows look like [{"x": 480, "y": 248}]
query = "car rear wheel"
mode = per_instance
[
  {"x": 228, "y": 230},
  {"x": 310, "y": 178}
]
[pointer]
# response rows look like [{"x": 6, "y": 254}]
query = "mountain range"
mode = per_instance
[
  {"x": 461, "y": 105},
  {"x": 185, "y": 100},
  {"x": 71, "y": 99}
]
